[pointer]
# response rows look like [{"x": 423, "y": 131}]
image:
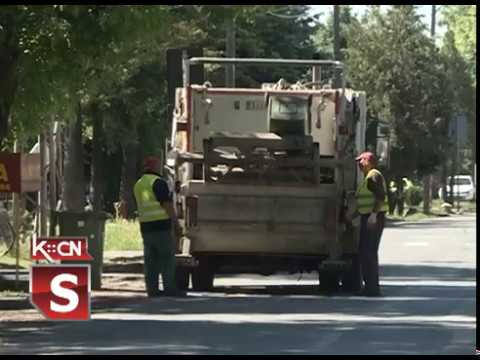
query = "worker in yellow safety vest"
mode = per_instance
[
  {"x": 392, "y": 197},
  {"x": 371, "y": 207},
  {"x": 157, "y": 218}
]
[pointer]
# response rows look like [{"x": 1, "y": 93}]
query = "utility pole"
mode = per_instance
[
  {"x": 52, "y": 166},
  {"x": 16, "y": 226},
  {"x": 434, "y": 21},
  {"x": 336, "y": 32},
  {"x": 42, "y": 206},
  {"x": 230, "y": 50},
  {"x": 336, "y": 44},
  {"x": 427, "y": 180}
]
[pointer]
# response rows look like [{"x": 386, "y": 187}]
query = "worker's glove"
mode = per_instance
[{"x": 372, "y": 219}]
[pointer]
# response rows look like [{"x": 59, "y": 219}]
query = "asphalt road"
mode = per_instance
[{"x": 428, "y": 278}]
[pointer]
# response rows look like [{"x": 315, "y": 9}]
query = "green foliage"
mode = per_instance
[
  {"x": 113, "y": 58},
  {"x": 414, "y": 196},
  {"x": 398, "y": 66},
  {"x": 461, "y": 20},
  {"x": 324, "y": 38},
  {"x": 263, "y": 31},
  {"x": 69, "y": 51},
  {"x": 459, "y": 51}
]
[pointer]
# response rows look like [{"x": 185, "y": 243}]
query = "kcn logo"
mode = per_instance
[{"x": 61, "y": 292}]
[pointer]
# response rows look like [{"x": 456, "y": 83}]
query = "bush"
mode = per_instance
[{"x": 414, "y": 196}]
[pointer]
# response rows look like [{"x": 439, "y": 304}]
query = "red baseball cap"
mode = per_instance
[
  {"x": 369, "y": 156},
  {"x": 151, "y": 163}
]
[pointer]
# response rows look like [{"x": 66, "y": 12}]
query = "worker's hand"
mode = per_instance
[
  {"x": 372, "y": 219},
  {"x": 350, "y": 214}
]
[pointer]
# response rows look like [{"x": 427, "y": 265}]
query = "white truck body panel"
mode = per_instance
[{"x": 245, "y": 111}]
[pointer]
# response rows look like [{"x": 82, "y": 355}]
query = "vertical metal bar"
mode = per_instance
[
  {"x": 16, "y": 226},
  {"x": 186, "y": 69},
  {"x": 316, "y": 76},
  {"x": 43, "y": 189},
  {"x": 230, "y": 51},
  {"x": 52, "y": 166}
]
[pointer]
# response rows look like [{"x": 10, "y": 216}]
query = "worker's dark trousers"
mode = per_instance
[
  {"x": 392, "y": 202},
  {"x": 369, "y": 244},
  {"x": 159, "y": 258}
]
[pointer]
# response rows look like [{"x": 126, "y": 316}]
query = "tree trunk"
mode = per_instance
[
  {"x": 401, "y": 196},
  {"x": 427, "y": 194},
  {"x": 444, "y": 181},
  {"x": 98, "y": 164},
  {"x": 8, "y": 86},
  {"x": 129, "y": 177},
  {"x": 74, "y": 177}
]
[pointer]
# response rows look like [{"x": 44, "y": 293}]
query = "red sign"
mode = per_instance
[
  {"x": 59, "y": 248},
  {"x": 10, "y": 174},
  {"x": 61, "y": 292}
]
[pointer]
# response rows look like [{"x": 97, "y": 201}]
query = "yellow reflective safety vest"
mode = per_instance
[
  {"x": 149, "y": 209},
  {"x": 365, "y": 198}
]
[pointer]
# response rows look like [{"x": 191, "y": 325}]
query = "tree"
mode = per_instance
[
  {"x": 135, "y": 108},
  {"x": 397, "y": 65},
  {"x": 136, "y": 122},
  {"x": 461, "y": 93},
  {"x": 323, "y": 37},
  {"x": 30, "y": 35},
  {"x": 462, "y": 29},
  {"x": 262, "y": 31},
  {"x": 461, "y": 20},
  {"x": 103, "y": 53}
]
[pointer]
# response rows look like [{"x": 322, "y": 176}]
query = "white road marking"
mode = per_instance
[{"x": 259, "y": 318}]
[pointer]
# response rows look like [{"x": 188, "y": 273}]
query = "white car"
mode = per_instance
[{"x": 463, "y": 188}]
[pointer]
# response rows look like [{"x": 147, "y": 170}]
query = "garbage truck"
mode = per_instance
[{"x": 264, "y": 176}]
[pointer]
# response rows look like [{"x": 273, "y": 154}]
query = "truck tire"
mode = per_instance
[
  {"x": 352, "y": 278},
  {"x": 329, "y": 281},
  {"x": 202, "y": 277},
  {"x": 182, "y": 278}
]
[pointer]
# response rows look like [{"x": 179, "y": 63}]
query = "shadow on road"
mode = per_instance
[
  {"x": 413, "y": 318},
  {"x": 209, "y": 337}
]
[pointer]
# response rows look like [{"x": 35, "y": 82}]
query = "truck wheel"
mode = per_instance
[
  {"x": 182, "y": 278},
  {"x": 329, "y": 281},
  {"x": 202, "y": 277},
  {"x": 352, "y": 278}
]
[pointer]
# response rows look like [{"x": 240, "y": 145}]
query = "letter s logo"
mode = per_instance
[{"x": 64, "y": 293}]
